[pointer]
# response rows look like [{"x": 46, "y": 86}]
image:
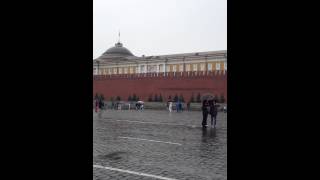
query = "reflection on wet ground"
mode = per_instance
[{"x": 201, "y": 155}]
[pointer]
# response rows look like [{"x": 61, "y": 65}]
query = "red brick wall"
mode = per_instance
[{"x": 144, "y": 85}]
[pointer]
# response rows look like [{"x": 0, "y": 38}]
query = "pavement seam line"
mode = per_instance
[
  {"x": 142, "y": 122},
  {"x": 133, "y": 172},
  {"x": 150, "y": 140}
]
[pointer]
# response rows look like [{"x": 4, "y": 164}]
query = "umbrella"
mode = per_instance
[
  {"x": 207, "y": 96},
  {"x": 141, "y": 102}
]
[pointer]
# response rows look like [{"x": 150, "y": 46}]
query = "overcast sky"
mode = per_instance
[{"x": 160, "y": 27}]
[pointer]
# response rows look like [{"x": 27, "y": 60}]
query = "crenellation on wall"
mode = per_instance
[{"x": 162, "y": 75}]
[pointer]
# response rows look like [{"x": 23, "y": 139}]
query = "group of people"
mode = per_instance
[
  {"x": 99, "y": 104},
  {"x": 209, "y": 107},
  {"x": 178, "y": 106},
  {"x": 139, "y": 106}
]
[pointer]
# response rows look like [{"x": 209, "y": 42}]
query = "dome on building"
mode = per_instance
[{"x": 118, "y": 49}]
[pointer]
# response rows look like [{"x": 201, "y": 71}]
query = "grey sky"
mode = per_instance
[{"x": 159, "y": 27}]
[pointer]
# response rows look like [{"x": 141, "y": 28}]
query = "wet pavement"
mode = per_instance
[{"x": 160, "y": 144}]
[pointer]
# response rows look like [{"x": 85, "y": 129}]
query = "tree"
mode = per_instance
[
  {"x": 198, "y": 97},
  {"x": 118, "y": 98},
  {"x": 160, "y": 98},
  {"x": 181, "y": 98},
  {"x": 150, "y": 98},
  {"x": 175, "y": 99},
  {"x": 134, "y": 98},
  {"x": 129, "y": 98},
  {"x": 96, "y": 96},
  {"x": 192, "y": 98},
  {"x": 156, "y": 98},
  {"x": 222, "y": 99}
]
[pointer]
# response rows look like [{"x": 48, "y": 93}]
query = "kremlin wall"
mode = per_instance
[{"x": 166, "y": 84}]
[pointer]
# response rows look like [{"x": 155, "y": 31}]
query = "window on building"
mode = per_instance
[
  {"x": 195, "y": 67},
  {"x": 168, "y": 68},
  {"x": 202, "y": 67},
  {"x": 137, "y": 69},
  {"x": 142, "y": 69},
  {"x": 181, "y": 67},
  {"x": 126, "y": 70},
  {"x": 174, "y": 68},
  {"x": 160, "y": 68},
  {"x": 114, "y": 70},
  {"x": 217, "y": 66},
  {"x": 188, "y": 67},
  {"x": 225, "y": 66},
  {"x": 120, "y": 70},
  {"x": 209, "y": 67},
  {"x": 152, "y": 68}
]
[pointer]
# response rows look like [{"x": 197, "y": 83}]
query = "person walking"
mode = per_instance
[
  {"x": 100, "y": 104},
  {"x": 97, "y": 105},
  {"x": 188, "y": 106},
  {"x": 177, "y": 105},
  {"x": 180, "y": 106},
  {"x": 112, "y": 105},
  {"x": 205, "y": 111},
  {"x": 213, "y": 112},
  {"x": 170, "y": 106}
]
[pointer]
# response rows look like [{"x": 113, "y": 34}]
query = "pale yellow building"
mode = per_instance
[{"x": 119, "y": 60}]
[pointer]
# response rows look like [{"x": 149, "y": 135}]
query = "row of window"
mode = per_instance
[
  {"x": 194, "y": 67},
  {"x": 154, "y": 68}
]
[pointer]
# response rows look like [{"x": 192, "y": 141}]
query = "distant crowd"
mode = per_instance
[{"x": 209, "y": 107}]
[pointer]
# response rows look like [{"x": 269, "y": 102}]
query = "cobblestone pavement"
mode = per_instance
[{"x": 170, "y": 145}]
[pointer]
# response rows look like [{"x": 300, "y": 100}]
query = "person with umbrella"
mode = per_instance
[
  {"x": 139, "y": 105},
  {"x": 213, "y": 112}
]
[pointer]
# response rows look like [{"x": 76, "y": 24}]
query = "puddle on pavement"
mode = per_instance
[{"x": 118, "y": 155}]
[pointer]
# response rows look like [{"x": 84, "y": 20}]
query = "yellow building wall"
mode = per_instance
[{"x": 178, "y": 67}]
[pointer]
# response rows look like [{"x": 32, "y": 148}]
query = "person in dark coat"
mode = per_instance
[
  {"x": 100, "y": 104},
  {"x": 180, "y": 106},
  {"x": 188, "y": 106},
  {"x": 205, "y": 112},
  {"x": 97, "y": 106},
  {"x": 213, "y": 112},
  {"x": 177, "y": 106}
]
